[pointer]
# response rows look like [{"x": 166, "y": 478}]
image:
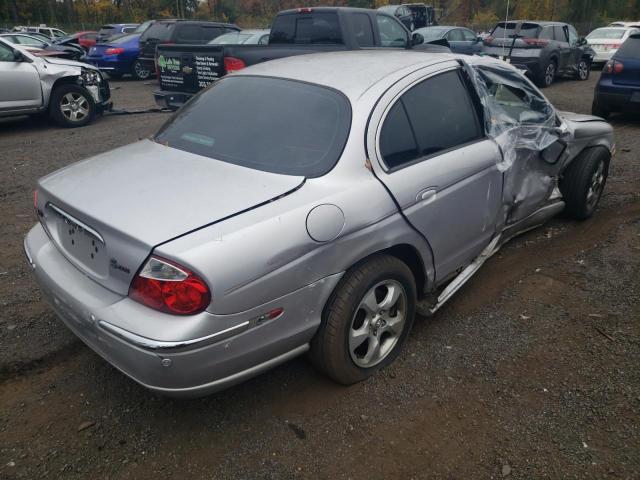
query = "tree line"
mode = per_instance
[{"x": 478, "y": 14}]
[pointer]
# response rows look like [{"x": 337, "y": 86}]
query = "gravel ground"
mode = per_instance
[{"x": 531, "y": 371}]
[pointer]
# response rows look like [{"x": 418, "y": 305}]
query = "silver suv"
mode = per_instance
[{"x": 72, "y": 93}]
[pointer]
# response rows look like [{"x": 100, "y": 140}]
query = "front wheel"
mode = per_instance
[
  {"x": 71, "y": 106},
  {"x": 583, "y": 182},
  {"x": 139, "y": 71},
  {"x": 366, "y": 320},
  {"x": 583, "y": 70}
]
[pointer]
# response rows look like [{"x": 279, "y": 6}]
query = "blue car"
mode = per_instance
[
  {"x": 619, "y": 87},
  {"x": 119, "y": 57}
]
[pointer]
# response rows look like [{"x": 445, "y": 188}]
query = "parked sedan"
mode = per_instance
[
  {"x": 618, "y": 89},
  {"x": 606, "y": 41},
  {"x": 84, "y": 39},
  {"x": 402, "y": 13},
  {"x": 24, "y": 40},
  {"x": 239, "y": 239},
  {"x": 243, "y": 37},
  {"x": 119, "y": 57},
  {"x": 460, "y": 40}
]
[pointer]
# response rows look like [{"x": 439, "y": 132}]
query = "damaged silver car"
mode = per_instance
[
  {"x": 313, "y": 203},
  {"x": 72, "y": 93}
]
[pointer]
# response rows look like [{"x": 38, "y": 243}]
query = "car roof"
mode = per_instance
[
  {"x": 328, "y": 9},
  {"x": 351, "y": 72},
  {"x": 542, "y": 23}
]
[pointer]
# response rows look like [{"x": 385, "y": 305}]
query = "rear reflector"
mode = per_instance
[
  {"x": 168, "y": 287},
  {"x": 233, "y": 64}
]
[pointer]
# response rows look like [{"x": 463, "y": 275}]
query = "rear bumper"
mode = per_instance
[
  {"x": 171, "y": 100},
  {"x": 239, "y": 347},
  {"x": 617, "y": 98}
]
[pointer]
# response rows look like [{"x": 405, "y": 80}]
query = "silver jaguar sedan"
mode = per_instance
[{"x": 314, "y": 203}]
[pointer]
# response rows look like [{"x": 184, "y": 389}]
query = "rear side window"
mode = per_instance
[
  {"x": 6, "y": 53},
  {"x": 209, "y": 33},
  {"x": 362, "y": 29},
  {"x": 547, "y": 33},
  {"x": 269, "y": 124},
  {"x": 189, "y": 33},
  {"x": 435, "y": 115},
  {"x": 630, "y": 48},
  {"x": 307, "y": 28},
  {"x": 160, "y": 31},
  {"x": 560, "y": 34}
]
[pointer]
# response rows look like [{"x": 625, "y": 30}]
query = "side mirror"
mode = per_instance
[
  {"x": 417, "y": 39},
  {"x": 582, "y": 41},
  {"x": 479, "y": 40}
]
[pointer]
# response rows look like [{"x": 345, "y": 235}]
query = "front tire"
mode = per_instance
[
  {"x": 71, "y": 106},
  {"x": 583, "y": 70},
  {"x": 583, "y": 182},
  {"x": 366, "y": 320},
  {"x": 598, "y": 111}
]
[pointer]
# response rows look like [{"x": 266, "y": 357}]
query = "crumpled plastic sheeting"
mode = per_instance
[{"x": 521, "y": 134}]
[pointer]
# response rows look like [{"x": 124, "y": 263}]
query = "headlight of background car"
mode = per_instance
[{"x": 91, "y": 77}]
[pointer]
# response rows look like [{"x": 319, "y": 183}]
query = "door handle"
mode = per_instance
[{"x": 426, "y": 194}]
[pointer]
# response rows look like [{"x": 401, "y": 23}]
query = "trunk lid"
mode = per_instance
[{"x": 106, "y": 214}]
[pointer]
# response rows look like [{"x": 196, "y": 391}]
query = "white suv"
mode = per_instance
[{"x": 72, "y": 93}]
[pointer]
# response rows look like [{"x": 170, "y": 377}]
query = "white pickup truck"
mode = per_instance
[{"x": 72, "y": 93}]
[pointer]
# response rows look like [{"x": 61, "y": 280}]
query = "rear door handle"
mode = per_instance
[{"x": 426, "y": 194}]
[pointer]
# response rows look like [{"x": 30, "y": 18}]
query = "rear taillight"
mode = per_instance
[
  {"x": 233, "y": 64},
  {"x": 488, "y": 40},
  {"x": 536, "y": 42},
  {"x": 168, "y": 287},
  {"x": 114, "y": 51},
  {"x": 613, "y": 67}
]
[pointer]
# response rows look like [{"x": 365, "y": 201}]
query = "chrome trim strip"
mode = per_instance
[
  {"x": 150, "y": 344},
  {"x": 73, "y": 219}
]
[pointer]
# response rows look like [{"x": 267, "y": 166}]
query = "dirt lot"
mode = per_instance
[{"x": 530, "y": 372}]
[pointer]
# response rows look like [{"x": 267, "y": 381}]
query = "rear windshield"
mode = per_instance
[
  {"x": 234, "y": 38},
  {"x": 123, "y": 39},
  {"x": 630, "y": 48},
  {"x": 528, "y": 30},
  {"x": 269, "y": 124},
  {"x": 306, "y": 28},
  {"x": 610, "y": 33},
  {"x": 158, "y": 31}
]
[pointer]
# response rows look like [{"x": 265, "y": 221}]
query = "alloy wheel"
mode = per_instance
[
  {"x": 377, "y": 323},
  {"x": 583, "y": 70},
  {"x": 74, "y": 106},
  {"x": 596, "y": 186},
  {"x": 141, "y": 72},
  {"x": 550, "y": 74}
]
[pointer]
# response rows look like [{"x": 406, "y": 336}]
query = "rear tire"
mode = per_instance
[
  {"x": 548, "y": 75},
  {"x": 599, "y": 111},
  {"x": 139, "y": 71},
  {"x": 71, "y": 106},
  {"x": 366, "y": 320},
  {"x": 583, "y": 182}
]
